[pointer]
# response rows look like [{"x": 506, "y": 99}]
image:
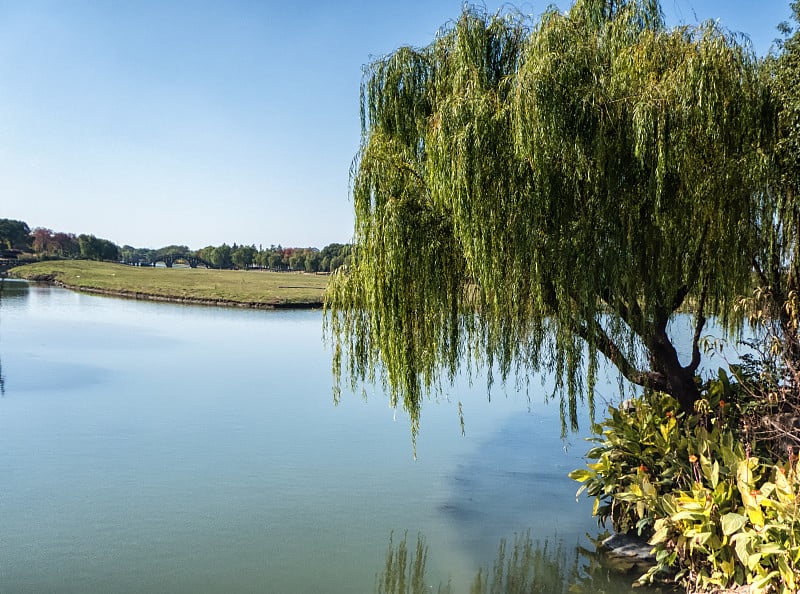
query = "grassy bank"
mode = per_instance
[{"x": 188, "y": 285}]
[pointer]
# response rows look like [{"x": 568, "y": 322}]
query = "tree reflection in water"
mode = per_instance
[
  {"x": 10, "y": 291},
  {"x": 527, "y": 567},
  {"x": 2, "y": 377}
]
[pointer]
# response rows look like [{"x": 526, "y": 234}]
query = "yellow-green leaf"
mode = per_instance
[
  {"x": 581, "y": 475},
  {"x": 732, "y": 523}
]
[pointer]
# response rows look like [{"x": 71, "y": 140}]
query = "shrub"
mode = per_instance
[{"x": 716, "y": 515}]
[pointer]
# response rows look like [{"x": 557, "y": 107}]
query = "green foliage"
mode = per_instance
[
  {"x": 220, "y": 256},
  {"x": 47, "y": 244},
  {"x": 716, "y": 515},
  {"x": 783, "y": 70},
  {"x": 94, "y": 248},
  {"x": 334, "y": 256},
  {"x": 768, "y": 374},
  {"x": 136, "y": 256},
  {"x": 523, "y": 190},
  {"x": 243, "y": 256},
  {"x": 14, "y": 234}
]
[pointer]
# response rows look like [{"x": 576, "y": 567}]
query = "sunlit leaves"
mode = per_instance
[{"x": 523, "y": 189}]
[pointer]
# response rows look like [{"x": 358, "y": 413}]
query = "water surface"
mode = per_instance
[{"x": 166, "y": 448}]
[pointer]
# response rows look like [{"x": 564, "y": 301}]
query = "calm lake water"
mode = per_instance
[{"x": 162, "y": 448}]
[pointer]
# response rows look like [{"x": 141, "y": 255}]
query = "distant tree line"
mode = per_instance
[
  {"x": 42, "y": 243},
  {"x": 14, "y": 235},
  {"x": 243, "y": 257}
]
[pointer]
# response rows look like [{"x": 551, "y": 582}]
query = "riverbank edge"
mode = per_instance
[{"x": 181, "y": 300}]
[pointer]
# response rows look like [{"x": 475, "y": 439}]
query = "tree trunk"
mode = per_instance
[
  {"x": 668, "y": 375},
  {"x": 684, "y": 388}
]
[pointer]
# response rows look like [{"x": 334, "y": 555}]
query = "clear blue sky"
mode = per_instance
[{"x": 197, "y": 123}]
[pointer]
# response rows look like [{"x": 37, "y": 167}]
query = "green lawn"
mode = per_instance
[{"x": 235, "y": 286}]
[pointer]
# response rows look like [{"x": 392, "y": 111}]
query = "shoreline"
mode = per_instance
[
  {"x": 176, "y": 299},
  {"x": 139, "y": 296}
]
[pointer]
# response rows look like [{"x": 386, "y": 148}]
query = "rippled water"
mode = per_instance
[{"x": 164, "y": 448}]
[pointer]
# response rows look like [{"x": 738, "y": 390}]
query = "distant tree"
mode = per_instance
[
  {"x": 206, "y": 254},
  {"x": 43, "y": 244},
  {"x": 170, "y": 253},
  {"x": 327, "y": 253},
  {"x": 14, "y": 234},
  {"x": 209, "y": 254},
  {"x": 342, "y": 259},
  {"x": 260, "y": 258},
  {"x": 312, "y": 261},
  {"x": 779, "y": 271},
  {"x": 46, "y": 243},
  {"x": 109, "y": 250},
  {"x": 94, "y": 248},
  {"x": 336, "y": 263},
  {"x": 334, "y": 255},
  {"x": 66, "y": 245},
  {"x": 297, "y": 260},
  {"x": 287, "y": 254},
  {"x": 133, "y": 255},
  {"x": 275, "y": 260},
  {"x": 242, "y": 256},
  {"x": 220, "y": 257},
  {"x": 89, "y": 246}
]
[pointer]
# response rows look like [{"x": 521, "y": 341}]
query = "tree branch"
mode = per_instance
[
  {"x": 694, "y": 272},
  {"x": 594, "y": 334},
  {"x": 762, "y": 277},
  {"x": 632, "y": 314},
  {"x": 680, "y": 296},
  {"x": 700, "y": 322}
]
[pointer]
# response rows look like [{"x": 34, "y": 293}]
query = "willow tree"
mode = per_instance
[
  {"x": 527, "y": 190},
  {"x": 778, "y": 265}
]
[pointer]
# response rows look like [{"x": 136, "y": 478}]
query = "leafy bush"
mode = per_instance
[{"x": 716, "y": 515}]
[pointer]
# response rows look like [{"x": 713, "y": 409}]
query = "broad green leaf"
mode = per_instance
[
  {"x": 581, "y": 475},
  {"x": 732, "y": 523},
  {"x": 741, "y": 548},
  {"x": 756, "y": 516},
  {"x": 647, "y": 488},
  {"x": 771, "y": 548}
]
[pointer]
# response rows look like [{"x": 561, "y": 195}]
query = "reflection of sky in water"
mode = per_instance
[
  {"x": 508, "y": 485},
  {"x": 155, "y": 447},
  {"x": 32, "y": 374},
  {"x": 12, "y": 292},
  {"x": 69, "y": 352}
]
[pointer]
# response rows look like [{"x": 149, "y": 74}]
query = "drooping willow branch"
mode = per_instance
[{"x": 519, "y": 181}]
